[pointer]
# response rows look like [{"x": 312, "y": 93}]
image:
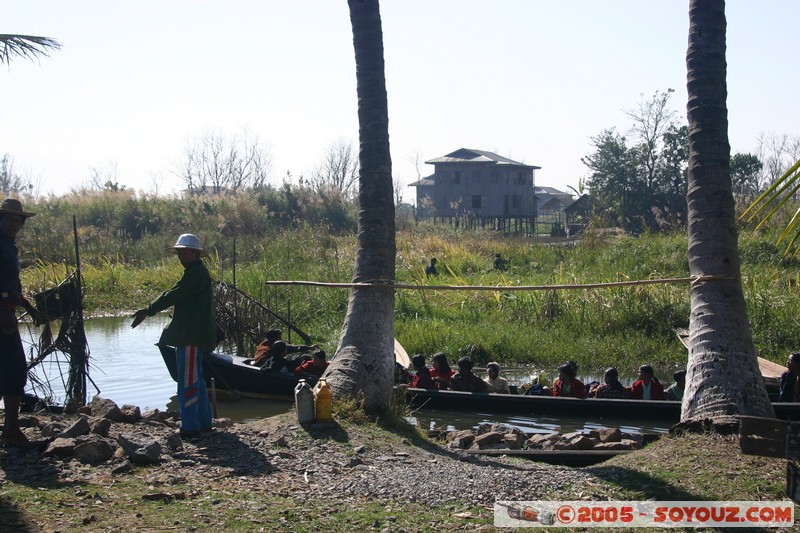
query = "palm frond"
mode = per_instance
[
  {"x": 775, "y": 198},
  {"x": 25, "y": 46}
]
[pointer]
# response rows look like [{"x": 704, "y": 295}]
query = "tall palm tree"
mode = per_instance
[
  {"x": 723, "y": 376},
  {"x": 26, "y": 46},
  {"x": 363, "y": 366}
]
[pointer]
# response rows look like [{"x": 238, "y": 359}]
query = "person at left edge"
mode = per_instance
[
  {"x": 192, "y": 331},
  {"x": 13, "y": 370}
]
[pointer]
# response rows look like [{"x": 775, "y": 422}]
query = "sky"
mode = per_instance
[{"x": 532, "y": 80}]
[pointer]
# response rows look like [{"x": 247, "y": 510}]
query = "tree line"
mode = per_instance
[{"x": 638, "y": 179}]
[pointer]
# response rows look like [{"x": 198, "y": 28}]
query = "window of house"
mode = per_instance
[
  {"x": 456, "y": 177},
  {"x": 495, "y": 176},
  {"x": 476, "y": 201},
  {"x": 515, "y": 201}
]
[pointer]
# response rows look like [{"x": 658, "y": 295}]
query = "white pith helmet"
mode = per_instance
[{"x": 188, "y": 241}]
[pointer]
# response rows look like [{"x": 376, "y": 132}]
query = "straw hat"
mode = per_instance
[
  {"x": 12, "y": 206},
  {"x": 188, "y": 241}
]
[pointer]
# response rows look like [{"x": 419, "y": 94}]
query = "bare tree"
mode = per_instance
[
  {"x": 338, "y": 171},
  {"x": 416, "y": 160},
  {"x": 216, "y": 163},
  {"x": 105, "y": 178},
  {"x": 651, "y": 120},
  {"x": 777, "y": 152},
  {"x": 25, "y": 46},
  {"x": 11, "y": 180}
]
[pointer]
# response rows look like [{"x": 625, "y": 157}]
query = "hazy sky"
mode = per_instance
[{"x": 533, "y": 80}]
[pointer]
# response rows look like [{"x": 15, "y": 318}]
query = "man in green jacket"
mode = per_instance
[{"x": 192, "y": 331}]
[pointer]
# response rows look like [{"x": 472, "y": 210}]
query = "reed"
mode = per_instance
[{"x": 254, "y": 240}]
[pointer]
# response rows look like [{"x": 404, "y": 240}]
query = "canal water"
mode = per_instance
[{"x": 127, "y": 367}]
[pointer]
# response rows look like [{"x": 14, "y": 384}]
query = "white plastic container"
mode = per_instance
[{"x": 304, "y": 402}]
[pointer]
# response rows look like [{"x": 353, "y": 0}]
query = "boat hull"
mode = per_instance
[
  {"x": 232, "y": 373},
  {"x": 543, "y": 406}
]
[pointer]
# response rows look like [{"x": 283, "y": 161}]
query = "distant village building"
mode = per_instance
[
  {"x": 550, "y": 200},
  {"x": 476, "y": 187}
]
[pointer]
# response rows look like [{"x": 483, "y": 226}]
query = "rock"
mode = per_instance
[
  {"x": 280, "y": 441},
  {"x": 60, "y": 448},
  {"x": 141, "y": 451},
  {"x": 124, "y": 468},
  {"x": 634, "y": 444},
  {"x": 83, "y": 410},
  {"x": 574, "y": 441},
  {"x": 52, "y": 429},
  {"x": 28, "y": 422},
  {"x": 223, "y": 423},
  {"x": 355, "y": 461},
  {"x": 94, "y": 451},
  {"x": 174, "y": 442},
  {"x": 513, "y": 440},
  {"x": 460, "y": 439},
  {"x": 541, "y": 441},
  {"x": 103, "y": 408},
  {"x": 78, "y": 428},
  {"x": 130, "y": 414},
  {"x": 101, "y": 426},
  {"x": 609, "y": 435},
  {"x": 493, "y": 437},
  {"x": 360, "y": 449}
]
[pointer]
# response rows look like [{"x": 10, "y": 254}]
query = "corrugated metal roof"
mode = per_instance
[{"x": 468, "y": 155}]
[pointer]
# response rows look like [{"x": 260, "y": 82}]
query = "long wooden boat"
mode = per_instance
[
  {"x": 233, "y": 373},
  {"x": 547, "y": 405}
]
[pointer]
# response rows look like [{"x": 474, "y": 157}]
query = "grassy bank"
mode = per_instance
[
  {"x": 148, "y": 498},
  {"x": 597, "y": 327}
]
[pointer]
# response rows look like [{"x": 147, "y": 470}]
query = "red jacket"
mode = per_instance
[
  {"x": 309, "y": 367},
  {"x": 576, "y": 388},
  {"x": 421, "y": 380},
  {"x": 656, "y": 390},
  {"x": 445, "y": 376}
]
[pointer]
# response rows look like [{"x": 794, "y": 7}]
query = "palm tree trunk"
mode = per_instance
[
  {"x": 723, "y": 376},
  {"x": 364, "y": 361}
]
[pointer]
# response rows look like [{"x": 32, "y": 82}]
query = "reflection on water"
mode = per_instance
[{"x": 127, "y": 368}]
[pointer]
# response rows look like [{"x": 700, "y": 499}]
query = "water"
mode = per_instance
[{"x": 127, "y": 367}]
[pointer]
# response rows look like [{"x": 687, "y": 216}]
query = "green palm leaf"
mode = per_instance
[{"x": 774, "y": 199}]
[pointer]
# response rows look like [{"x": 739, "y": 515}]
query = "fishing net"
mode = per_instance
[
  {"x": 243, "y": 322},
  {"x": 66, "y": 351}
]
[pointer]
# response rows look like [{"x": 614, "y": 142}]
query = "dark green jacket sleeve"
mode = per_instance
[{"x": 193, "y": 319}]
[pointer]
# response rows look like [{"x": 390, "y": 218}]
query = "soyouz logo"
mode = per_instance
[{"x": 643, "y": 514}]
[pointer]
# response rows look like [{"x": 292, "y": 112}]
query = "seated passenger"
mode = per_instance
[
  {"x": 494, "y": 382},
  {"x": 567, "y": 384},
  {"x": 273, "y": 335},
  {"x": 401, "y": 374},
  {"x": 790, "y": 380},
  {"x": 464, "y": 380},
  {"x": 422, "y": 379},
  {"x": 647, "y": 387},
  {"x": 675, "y": 391},
  {"x": 611, "y": 387},
  {"x": 278, "y": 361},
  {"x": 441, "y": 371},
  {"x": 315, "y": 367}
]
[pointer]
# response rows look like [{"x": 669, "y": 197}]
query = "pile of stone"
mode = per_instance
[
  {"x": 104, "y": 432},
  {"x": 501, "y": 437}
]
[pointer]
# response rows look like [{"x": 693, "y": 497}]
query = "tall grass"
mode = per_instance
[{"x": 598, "y": 327}]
